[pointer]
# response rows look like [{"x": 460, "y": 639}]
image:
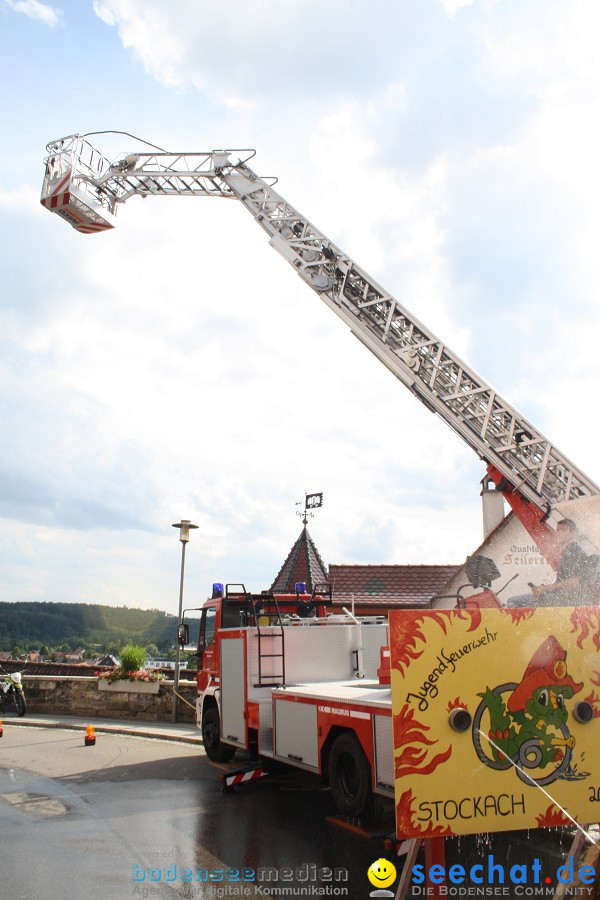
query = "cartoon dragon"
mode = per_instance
[{"x": 529, "y": 730}]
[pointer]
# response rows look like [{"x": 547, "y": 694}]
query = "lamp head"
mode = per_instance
[{"x": 184, "y": 529}]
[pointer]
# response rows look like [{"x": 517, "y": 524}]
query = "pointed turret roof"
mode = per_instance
[{"x": 303, "y": 563}]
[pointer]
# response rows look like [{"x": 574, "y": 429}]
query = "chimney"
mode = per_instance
[{"x": 492, "y": 507}]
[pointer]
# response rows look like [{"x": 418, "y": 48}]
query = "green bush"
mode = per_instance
[{"x": 133, "y": 657}]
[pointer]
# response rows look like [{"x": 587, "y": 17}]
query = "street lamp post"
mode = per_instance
[{"x": 184, "y": 536}]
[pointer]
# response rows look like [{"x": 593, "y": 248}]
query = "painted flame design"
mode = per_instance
[
  {"x": 593, "y": 698},
  {"x": 474, "y": 614},
  {"x": 412, "y": 742},
  {"x": 456, "y": 704},
  {"x": 406, "y": 633},
  {"x": 552, "y": 817},
  {"x": 405, "y": 824},
  {"x": 586, "y": 621},
  {"x": 519, "y": 615}
]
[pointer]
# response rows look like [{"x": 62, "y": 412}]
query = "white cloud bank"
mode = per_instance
[{"x": 176, "y": 367}]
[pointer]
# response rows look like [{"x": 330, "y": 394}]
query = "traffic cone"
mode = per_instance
[{"x": 90, "y": 736}]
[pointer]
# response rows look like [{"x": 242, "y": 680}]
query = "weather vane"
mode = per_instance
[{"x": 311, "y": 501}]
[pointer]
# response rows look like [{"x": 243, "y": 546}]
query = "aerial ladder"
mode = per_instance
[{"x": 86, "y": 189}]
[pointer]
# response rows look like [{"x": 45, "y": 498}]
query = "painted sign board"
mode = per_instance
[{"x": 496, "y": 719}]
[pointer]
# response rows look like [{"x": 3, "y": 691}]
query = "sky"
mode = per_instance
[{"x": 177, "y": 368}]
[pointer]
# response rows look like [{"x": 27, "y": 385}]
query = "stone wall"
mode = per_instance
[{"x": 80, "y": 696}]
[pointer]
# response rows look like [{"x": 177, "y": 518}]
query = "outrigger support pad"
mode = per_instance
[{"x": 242, "y": 776}]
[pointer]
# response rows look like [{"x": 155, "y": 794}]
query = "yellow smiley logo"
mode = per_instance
[{"x": 381, "y": 873}]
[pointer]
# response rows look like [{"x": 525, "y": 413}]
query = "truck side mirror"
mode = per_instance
[{"x": 183, "y": 634}]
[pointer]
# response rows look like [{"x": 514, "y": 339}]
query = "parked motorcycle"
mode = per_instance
[{"x": 12, "y": 693}]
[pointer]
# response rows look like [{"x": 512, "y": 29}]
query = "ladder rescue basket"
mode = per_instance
[{"x": 67, "y": 190}]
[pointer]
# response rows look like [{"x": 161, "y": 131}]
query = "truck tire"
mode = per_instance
[
  {"x": 211, "y": 737},
  {"x": 350, "y": 777}
]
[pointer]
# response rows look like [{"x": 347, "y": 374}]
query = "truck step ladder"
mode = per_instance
[{"x": 270, "y": 646}]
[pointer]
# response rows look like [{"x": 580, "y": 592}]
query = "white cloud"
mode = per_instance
[
  {"x": 33, "y": 9},
  {"x": 177, "y": 368},
  {"x": 103, "y": 11},
  {"x": 258, "y": 50}
]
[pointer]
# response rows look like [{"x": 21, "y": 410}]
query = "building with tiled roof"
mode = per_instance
[
  {"x": 517, "y": 559},
  {"x": 303, "y": 563},
  {"x": 378, "y": 588},
  {"x": 375, "y": 588}
]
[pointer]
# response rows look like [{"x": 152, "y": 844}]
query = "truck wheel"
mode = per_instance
[
  {"x": 350, "y": 777},
  {"x": 211, "y": 737}
]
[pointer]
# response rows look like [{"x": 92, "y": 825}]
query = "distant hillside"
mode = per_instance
[{"x": 56, "y": 623}]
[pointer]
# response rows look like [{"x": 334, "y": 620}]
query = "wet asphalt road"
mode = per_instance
[
  {"x": 79, "y": 822},
  {"x": 136, "y": 817}
]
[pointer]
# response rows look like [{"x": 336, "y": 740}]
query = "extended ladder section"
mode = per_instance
[{"x": 437, "y": 377}]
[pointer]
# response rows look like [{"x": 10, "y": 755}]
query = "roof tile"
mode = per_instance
[{"x": 390, "y": 586}]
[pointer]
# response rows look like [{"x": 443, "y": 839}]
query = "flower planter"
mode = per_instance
[{"x": 130, "y": 687}]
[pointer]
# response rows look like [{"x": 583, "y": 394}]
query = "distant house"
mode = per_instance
[
  {"x": 34, "y": 656},
  {"x": 158, "y": 662},
  {"x": 108, "y": 660}
]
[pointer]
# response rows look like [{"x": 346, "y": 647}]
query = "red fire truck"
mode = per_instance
[{"x": 283, "y": 678}]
